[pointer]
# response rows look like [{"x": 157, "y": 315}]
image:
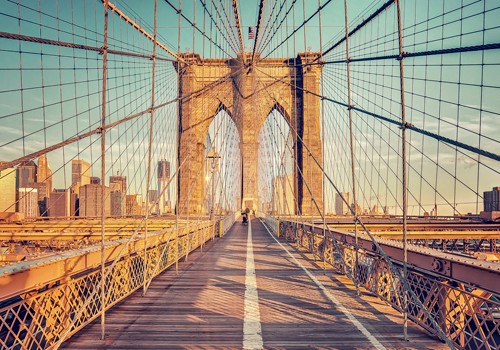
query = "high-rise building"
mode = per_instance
[
  {"x": 491, "y": 200},
  {"x": 91, "y": 201},
  {"x": 118, "y": 189},
  {"x": 59, "y": 203},
  {"x": 44, "y": 173},
  {"x": 26, "y": 174},
  {"x": 42, "y": 199},
  {"x": 43, "y": 184},
  {"x": 118, "y": 183},
  {"x": 134, "y": 204},
  {"x": 74, "y": 204},
  {"x": 153, "y": 201},
  {"x": 341, "y": 208},
  {"x": 28, "y": 202},
  {"x": 118, "y": 203},
  {"x": 8, "y": 190},
  {"x": 80, "y": 174},
  {"x": 94, "y": 180},
  {"x": 163, "y": 191}
]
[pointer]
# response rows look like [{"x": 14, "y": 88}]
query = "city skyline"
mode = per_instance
[{"x": 30, "y": 190}]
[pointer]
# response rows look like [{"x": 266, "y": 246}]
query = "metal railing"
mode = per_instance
[
  {"x": 42, "y": 317},
  {"x": 466, "y": 310}
]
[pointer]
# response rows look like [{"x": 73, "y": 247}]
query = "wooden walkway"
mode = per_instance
[{"x": 212, "y": 304}]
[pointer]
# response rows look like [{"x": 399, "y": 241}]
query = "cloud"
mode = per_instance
[{"x": 10, "y": 130}]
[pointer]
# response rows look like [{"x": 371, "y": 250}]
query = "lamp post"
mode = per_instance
[{"x": 214, "y": 156}]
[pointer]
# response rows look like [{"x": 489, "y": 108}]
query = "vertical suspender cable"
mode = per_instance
[
  {"x": 351, "y": 142},
  {"x": 295, "y": 122},
  {"x": 309, "y": 155},
  {"x": 322, "y": 137},
  {"x": 404, "y": 161},
  {"x": 179, "y": 125},
  {"x": 238, "y": 26},
  {"x": 150, "y": 147},
  {"x": 259, "y": 23},
  {"x": 103, "y": 163}
]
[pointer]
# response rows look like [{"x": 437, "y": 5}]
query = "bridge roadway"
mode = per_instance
[{"x": 213, "y": 303}]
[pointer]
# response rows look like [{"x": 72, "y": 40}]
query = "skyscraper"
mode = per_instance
[
  {"x": 91, "y": 200},
  {"x": 80, "y": 174},
  {"x": 8, "y": 190},
  {"x": 118, "y": 189},
  {"x": 44, "y": 173},
  {"x": 118, "y": 183},
  {"x": 153, "y": 201},
  {"x": 43, "y": 184},
  {"x": 28, "y": 202},
  {"x": 134, "y": 204},
  {"x": 59, "y": 203},
  {"x": 341, "y": 208},
  {"x": 26, "y": 174},
  {"x": 163, "y": 192},
  {"x": 94, "y": 180}
]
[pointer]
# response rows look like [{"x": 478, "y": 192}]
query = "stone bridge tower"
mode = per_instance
[{"x": 249, "y": 93}]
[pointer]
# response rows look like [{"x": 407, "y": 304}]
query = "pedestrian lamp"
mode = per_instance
[{"x": 214, "y": 157}]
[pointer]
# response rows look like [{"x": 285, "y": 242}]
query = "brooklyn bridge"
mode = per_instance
[{"x": 286, "y": 174}]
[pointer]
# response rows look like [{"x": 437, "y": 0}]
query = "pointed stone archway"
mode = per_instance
[{"x": 248, "y": 93}]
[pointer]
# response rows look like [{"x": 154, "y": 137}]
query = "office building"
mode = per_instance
[
  {"x": 26, "y": 174},
  {"x": 118, "y": 190},
  {"x": 8, "y": 190},
  {"x": 44, "y": 174},
  {"x": 118, "y": 203},
  {"x": 94, "y": 180},
  {"x": 59, "y": 203},
  {"x": 74, "y": 204},
  {"x": 42, "y": 197},
  {"x": 341, "y": 207},
  {"x": 134, "y": 204},
  {"x": 28, "y": 202},
  {"x": 118, "y": 183},
  {"x": 43, "y": 184},
  {"x": 153, "y": 201},
  {"x": 90, "y": 201},
  {"x": 80, "y": 174},
  {"x": 163, "y": 191},
  {"x": 491, "y": 200}
]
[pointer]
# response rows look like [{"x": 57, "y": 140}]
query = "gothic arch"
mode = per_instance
[{"x": 248, "y": 94}]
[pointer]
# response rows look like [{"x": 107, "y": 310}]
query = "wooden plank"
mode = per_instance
[{"x": 202, "y": 306}]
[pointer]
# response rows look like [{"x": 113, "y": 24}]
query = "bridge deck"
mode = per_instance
[{"x": 211, "y": 305}]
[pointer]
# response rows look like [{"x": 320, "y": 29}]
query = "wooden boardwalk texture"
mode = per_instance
[{"x": 210, "y": 304}]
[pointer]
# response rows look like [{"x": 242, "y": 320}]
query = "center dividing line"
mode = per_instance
[
  {"x": 376, "y": 344},
  {"x": 252, "y": 331}
]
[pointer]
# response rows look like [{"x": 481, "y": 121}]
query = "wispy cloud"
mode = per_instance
[{"x": 10, "y": 130}]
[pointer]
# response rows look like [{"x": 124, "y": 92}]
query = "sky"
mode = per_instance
[{"x": 51, "y": 93}]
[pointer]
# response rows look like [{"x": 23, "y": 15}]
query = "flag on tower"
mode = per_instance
[{"x": 251, "y": 34}]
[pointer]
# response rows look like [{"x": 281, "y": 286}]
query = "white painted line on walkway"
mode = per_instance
[
  {"x": 332, "y": 298},
  {"x": 252, "y": 331}
]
